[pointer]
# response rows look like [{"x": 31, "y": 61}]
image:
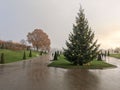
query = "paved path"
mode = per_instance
[{"x": 35, "y": 75}]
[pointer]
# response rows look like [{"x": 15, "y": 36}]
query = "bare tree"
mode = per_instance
[{"x": 23, "y": 42}]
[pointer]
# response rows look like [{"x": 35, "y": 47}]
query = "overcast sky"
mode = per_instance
[{"x": 56, "y": 17}]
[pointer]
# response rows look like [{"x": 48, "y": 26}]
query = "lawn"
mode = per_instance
[
  {"x": 63, "y": 63},
  {"x": 13, "y": 56},
  {"x": 115, "y": 55}
]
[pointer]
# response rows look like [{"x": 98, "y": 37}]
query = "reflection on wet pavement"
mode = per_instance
[{"x": 35, "y": 75}]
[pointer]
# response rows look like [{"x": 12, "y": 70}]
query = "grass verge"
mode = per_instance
[
  {"x": 115, "y": 55},
  {"x": 13, "y": 56},
  {"x": 63, "y": 63}
]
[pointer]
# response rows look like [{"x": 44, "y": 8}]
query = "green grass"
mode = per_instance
[
  {"x": 115, "y": 55},
  {"x": 63, "y": 63},
  {"x": 13, "y": 56}
]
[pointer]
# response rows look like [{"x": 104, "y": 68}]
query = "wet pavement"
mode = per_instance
[{"x": 35, "y": 75}]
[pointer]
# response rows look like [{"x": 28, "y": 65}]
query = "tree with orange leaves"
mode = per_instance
[{"x": 39, "y": 39}]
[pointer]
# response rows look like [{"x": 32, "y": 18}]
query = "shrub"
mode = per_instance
[
  {"x": 2, "y": 59},
  {"x": 30, "y": 54},
  {"x": 24, "y": 56}
]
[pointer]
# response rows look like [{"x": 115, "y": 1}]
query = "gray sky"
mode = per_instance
[{"x": 56, "y": 17}]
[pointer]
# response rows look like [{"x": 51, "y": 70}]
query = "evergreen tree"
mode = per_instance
[
  {"x": 52, "y": 54},
  {"x": 2, "y": 59},
  {"x": 30, "y": 54},
  {"x": 99, "y": 57},
  {"x": 108, "y": 53},
  {"x": 55, "y": 56},
  {"x": 24, "y": 56},
  {"x": 57, "y": 52},
  {"x": 40, "y": 52},
  {"x": 81, "y": 47},
  {"x": 105, "y": 53}
]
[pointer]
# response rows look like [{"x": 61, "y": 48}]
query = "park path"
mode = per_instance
[{"x": 35, "y": 75}]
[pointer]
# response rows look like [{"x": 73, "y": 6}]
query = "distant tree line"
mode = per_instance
[
  {"x": 38, "y": 38},
  {"x": 13, "y": 45}
]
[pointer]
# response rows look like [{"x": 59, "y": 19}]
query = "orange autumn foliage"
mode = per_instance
[{"x": 39, "y": 39}]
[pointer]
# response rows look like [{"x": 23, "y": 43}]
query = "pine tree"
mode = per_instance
[
  {"x": 2, "y": 59},
  {"x": 30, "y": 54},
  {"x": 58, "y": 53},
  {"x": 105, "y": 53},
  {"x": 99, "y": 57},
  {"x": 81, "y": 47},
  {"x": 55, "y": 56},
  {"x": 24, "y": 56},
  {"x": 108, "y": 53}
]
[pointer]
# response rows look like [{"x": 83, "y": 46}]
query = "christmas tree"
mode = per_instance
[{"x": 81, "y": 47}]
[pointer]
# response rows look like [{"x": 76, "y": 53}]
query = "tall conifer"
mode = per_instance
[{"x": 81, "y": 47}]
